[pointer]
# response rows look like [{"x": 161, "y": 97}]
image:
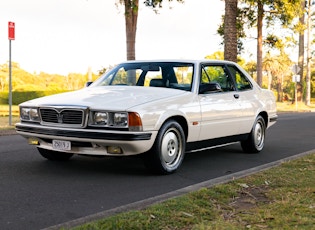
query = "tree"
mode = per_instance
[
  {"x": 301, "y": 28},
  {"x": 230, "y": 30},
  {"x": 131, "y": 18},
  {"x": 308, "y": 73},
  {"x": 278, "y": 67},
  {"x": 279, "y": 71},
  {"x": 25, "y": 81},
  {"x": 260, "y": 16},
  {"x": 218, "y": 55},
  {"x": 255, "y": 12}
]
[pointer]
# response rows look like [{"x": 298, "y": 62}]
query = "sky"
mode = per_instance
[{"x": 71, "y": 36}]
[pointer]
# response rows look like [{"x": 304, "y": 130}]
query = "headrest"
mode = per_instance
[{"x": 157, "y": 83}]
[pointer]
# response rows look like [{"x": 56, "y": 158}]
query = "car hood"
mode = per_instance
[{"x": 107, "y": 97}]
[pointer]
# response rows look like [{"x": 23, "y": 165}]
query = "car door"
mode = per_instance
[
  {"x": 248, "y": 98},
  {"x": 220, "y": 109}
]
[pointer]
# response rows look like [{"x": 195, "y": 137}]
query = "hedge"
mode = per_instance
[{"x": 19, "y": 96}]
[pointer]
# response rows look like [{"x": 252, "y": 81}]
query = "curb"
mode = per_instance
[
  {"x": 7, "y": 132},
  {"x": 161, "y": 198}
]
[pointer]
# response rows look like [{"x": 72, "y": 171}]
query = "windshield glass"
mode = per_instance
[{"x": 176, "y": 75}]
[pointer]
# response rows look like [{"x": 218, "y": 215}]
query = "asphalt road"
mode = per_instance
[{"x": 36, "y": 193}]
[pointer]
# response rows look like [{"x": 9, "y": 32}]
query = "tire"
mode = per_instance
[
  {"x": 168, "y": 151},
  {"x": 256, "y": 139},
  {"x": 54, "y": 155}
]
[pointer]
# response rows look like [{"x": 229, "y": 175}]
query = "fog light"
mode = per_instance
[
  {"x": 33, "y": 141},
  {"x": 114, "y": 150}
]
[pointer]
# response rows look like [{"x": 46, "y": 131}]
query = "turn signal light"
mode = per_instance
[{"x": 134, "y": 121}]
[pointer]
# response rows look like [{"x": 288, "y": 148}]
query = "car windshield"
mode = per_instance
[{"x": 176, "y": 75}]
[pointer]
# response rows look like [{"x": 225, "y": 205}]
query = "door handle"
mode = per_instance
[{"x": 236, "y": 96}]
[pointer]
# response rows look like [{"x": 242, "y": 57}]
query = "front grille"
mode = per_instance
[{"x": 62, "y": 117}]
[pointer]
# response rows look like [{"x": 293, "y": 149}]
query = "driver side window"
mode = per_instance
[{"x": 216, "y": 74}]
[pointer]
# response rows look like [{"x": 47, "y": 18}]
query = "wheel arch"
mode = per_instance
[
  {"x": 181, "y": 121},
  {"x": 164, "y": 157},
  {"x": 264, "y": 115}
]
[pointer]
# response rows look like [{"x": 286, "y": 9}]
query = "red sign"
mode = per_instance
[{"x": 11, "y": 30}]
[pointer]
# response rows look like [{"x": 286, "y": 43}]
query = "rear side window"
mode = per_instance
[{"x": 242, "y": 82}]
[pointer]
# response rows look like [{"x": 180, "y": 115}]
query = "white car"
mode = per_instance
[{"x": 161, "y": 109}]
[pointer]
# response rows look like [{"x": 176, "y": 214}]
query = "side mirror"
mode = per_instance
[
  {"x": 88, "y": 83},
  {"x": 209, "y": 88}
]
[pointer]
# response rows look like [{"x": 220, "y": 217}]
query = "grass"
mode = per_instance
[
  {"x": 4, "y": 116},
  {"x": 279, "y": 198},
  {"x": 299, "y": 107},
  {"x": 4, "y": 110},
  {"x": 4, "y": 122}
]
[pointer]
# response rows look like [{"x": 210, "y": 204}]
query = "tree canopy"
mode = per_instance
[{"x": 262, "y": 14}]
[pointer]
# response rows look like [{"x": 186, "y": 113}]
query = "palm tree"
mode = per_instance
[
  {"x": 260, "y": 17},
  {"x": 131, "y": 18},
  {"x": 230, "y": 30}
]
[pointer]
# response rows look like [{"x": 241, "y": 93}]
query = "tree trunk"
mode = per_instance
[
  {"x": 279, "y": 92},
  {"x": 259, "y": 41},
  {"x": 131, "y": 17},
  {"x": 301, "y": 42},
  {"x": 309, "y": 55},
  {"x": 230, "y": 31}
]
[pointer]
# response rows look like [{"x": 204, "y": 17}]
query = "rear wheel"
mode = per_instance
[
  {"x": 168, "y": 151},
  {"x": 54, "y": 155},
  {"x": 256, "y": 139}
]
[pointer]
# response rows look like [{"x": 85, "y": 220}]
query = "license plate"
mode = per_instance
[{"x": 61, "y": 145}]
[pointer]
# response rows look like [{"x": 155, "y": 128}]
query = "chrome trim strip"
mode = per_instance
[{"x": 83, "y": 133}]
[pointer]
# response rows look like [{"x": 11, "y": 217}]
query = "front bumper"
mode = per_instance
[{"x": 89, "y": 141}]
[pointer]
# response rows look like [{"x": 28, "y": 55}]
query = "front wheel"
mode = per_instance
[
  {"x": 256, "y": 139},
  {"x": 54, "y": 155},
  {"x": 168, "y": 150}
]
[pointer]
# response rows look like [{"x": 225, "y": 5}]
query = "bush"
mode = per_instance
[{"x": 4, "y": 98}]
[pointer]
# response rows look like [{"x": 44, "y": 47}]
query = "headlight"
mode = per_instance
[
  {"x": 129, "y": 120},
  {"x": 25, "y": 114},
  {"x": 120, "y": 119},
  {"x": 100, "y": 118},
  {"x": 29, "y": 114},
  {"x": 34, "y": 114}
]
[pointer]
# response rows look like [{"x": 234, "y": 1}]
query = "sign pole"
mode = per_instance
[
  {"x": 296, "y": 102},
  {"x": 296, "y": 78},
  {"x": 11, "y": 36},
  {"x": 10, "y": 85}
]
